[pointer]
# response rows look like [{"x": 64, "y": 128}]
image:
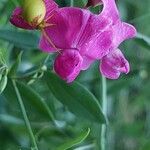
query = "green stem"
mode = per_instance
[
  {"x": 71, "y": 3},
  {"x": 104, "y": 108},
  {"x": 27, "y": 122}
]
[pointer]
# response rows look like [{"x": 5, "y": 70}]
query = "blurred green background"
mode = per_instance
[{"x": 53, "y": 123}]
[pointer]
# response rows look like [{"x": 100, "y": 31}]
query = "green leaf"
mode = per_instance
[
  {"x": 2, "y": 57},
  {"x": 35, "y": 100},
  {"x": 19, "y": 38},
  {"x": 3, "y": 78},
  {"x": 76, "y": 97},
  {"x": 14, "y": 67},
  {"x": 73, "y": 142},
  {"x": 143, "y": 40},
  {"x": 3, "y": 83}
]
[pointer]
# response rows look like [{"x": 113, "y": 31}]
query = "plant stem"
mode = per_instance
[
  {"x": 71, "y": 3},
  {"x": 104, "y": 108},
  {"x": 27, "y": 122}
]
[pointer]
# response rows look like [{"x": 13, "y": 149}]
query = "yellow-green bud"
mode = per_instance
[{"x": 34, "y": 11}]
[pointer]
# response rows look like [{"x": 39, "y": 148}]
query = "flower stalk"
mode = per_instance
[
  {"x": 104, "y": 109},
  {"x": 27, "y": 122},
  {"x": 71, "y": 3}
]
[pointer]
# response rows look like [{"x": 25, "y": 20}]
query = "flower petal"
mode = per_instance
[
  {"x": 67, "y": 26},
  {"x": 50, "y": 7},
  {"x": 94, "y": 27},
  {"x": 121, "y": 32},
  {"x": 73, "y": 28},
  {"x": 100, "y": 45},
  {"x": 114, "y": 64},
  {"x": 68, "y": 64},
  {"x": 110, "y": 10},
  {"x": 17, "y": 20}
]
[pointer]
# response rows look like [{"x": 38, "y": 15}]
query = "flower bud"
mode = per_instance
[{"x": 34, "y": 11}]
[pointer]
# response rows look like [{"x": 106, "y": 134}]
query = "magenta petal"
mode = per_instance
[
  {"x": 94, "y": 28},
  {"x": 100, "y": 45},
  {"x": 17, "y": 20},
  {"x": 68, "y": 24},
  {"x": 122, "y": 31},
  {"x": 114, "y": 64},
  {"x": 110, "y": 10},
  {"x": 46, "y": 43},
  {"x": 73, "y": 28},
  {"x": 68, "y": 64},
  {"x": 50, "y": 7}
]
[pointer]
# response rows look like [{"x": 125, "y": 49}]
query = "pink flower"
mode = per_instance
[
  {"x": 81, "y": 38},
  {"x": 93, "y": 37}
]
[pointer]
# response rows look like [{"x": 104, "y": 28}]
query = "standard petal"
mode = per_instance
[
  {"x": 121, "y": 32},
  {"x": 73, "y": 28},
  {"x": 100, "y": 45},
  {"x": 50, "y": 7},
  {"x": 114, "y": 64},
  {"x": 67, "y": 27},
  {"x": 68, "y": 64},
  {"x": 18, "y": 21},
  {"x": 94, "y": 28},
  {"x": 110, "y": 10}
]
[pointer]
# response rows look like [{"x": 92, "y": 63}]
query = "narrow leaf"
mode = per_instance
[
  {"x": 143, "y": 40},
  {"x": 73, "y": 142},
  {"x": 30, "y": 96},
  {"x": 19, "y": 38},
  {"x": 76, "y": 97},
  {"x": 3, "y": 83},
  {"x": 35, "y": 100}
]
